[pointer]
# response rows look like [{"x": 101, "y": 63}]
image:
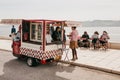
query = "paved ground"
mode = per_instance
[
  {"x": 108, "y": 60},
  {"x": 5, "y": 44},
  {"x": 14, "y": 69}
]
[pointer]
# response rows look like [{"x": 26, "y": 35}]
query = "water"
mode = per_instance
[
  {"x": 114, "y": 32},
  {"x": 5, "y": 30}
]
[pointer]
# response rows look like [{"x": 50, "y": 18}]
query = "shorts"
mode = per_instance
[{"x": 73, "y": 44}]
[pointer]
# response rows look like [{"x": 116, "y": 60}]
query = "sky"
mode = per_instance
[{"x": 79, "y": 10}]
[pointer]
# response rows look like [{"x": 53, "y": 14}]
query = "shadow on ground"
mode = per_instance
[{"x": 18, "y": 70}]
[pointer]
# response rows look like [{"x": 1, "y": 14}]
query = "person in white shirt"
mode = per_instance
[
  {"x": 95, "y": 38},
  {"x": 48, "y": 37}
]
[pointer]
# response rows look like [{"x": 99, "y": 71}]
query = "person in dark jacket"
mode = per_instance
[
  {"x": 56, "y": 36},
  {"x": 85, "y": 39},
  {"x": 13, "y": 30}
]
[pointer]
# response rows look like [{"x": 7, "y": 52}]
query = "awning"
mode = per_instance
[
  {"x": 11, "y": 21},
  {"x": 19, "y": 21}
]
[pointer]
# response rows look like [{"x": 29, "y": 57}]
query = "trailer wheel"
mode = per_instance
[{"x": 31, "y": 62}]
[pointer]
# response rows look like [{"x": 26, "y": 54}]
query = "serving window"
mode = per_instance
[
  {"x": 32, "y": 32},
  {"x": 36, "y": 32},
  {"x": 53, "y": 35}
]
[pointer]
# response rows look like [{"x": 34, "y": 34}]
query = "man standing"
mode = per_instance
[
  {"x": 73, "y": 42},
  {"x": 13, "y": 30}
]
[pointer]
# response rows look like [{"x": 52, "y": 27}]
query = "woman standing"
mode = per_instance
[{"x": 73, "y": 42}]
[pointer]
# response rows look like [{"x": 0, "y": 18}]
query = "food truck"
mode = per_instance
[{"x": 35, "y": 42}]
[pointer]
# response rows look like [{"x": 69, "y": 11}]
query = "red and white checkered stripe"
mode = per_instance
[{"x": 39, "y": 54}]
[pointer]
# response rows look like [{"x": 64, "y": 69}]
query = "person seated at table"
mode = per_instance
[
  {"x": 85, "y": 39},
  {"x": 104, "y": 39},
  {"x": 95, "y": 40}
]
